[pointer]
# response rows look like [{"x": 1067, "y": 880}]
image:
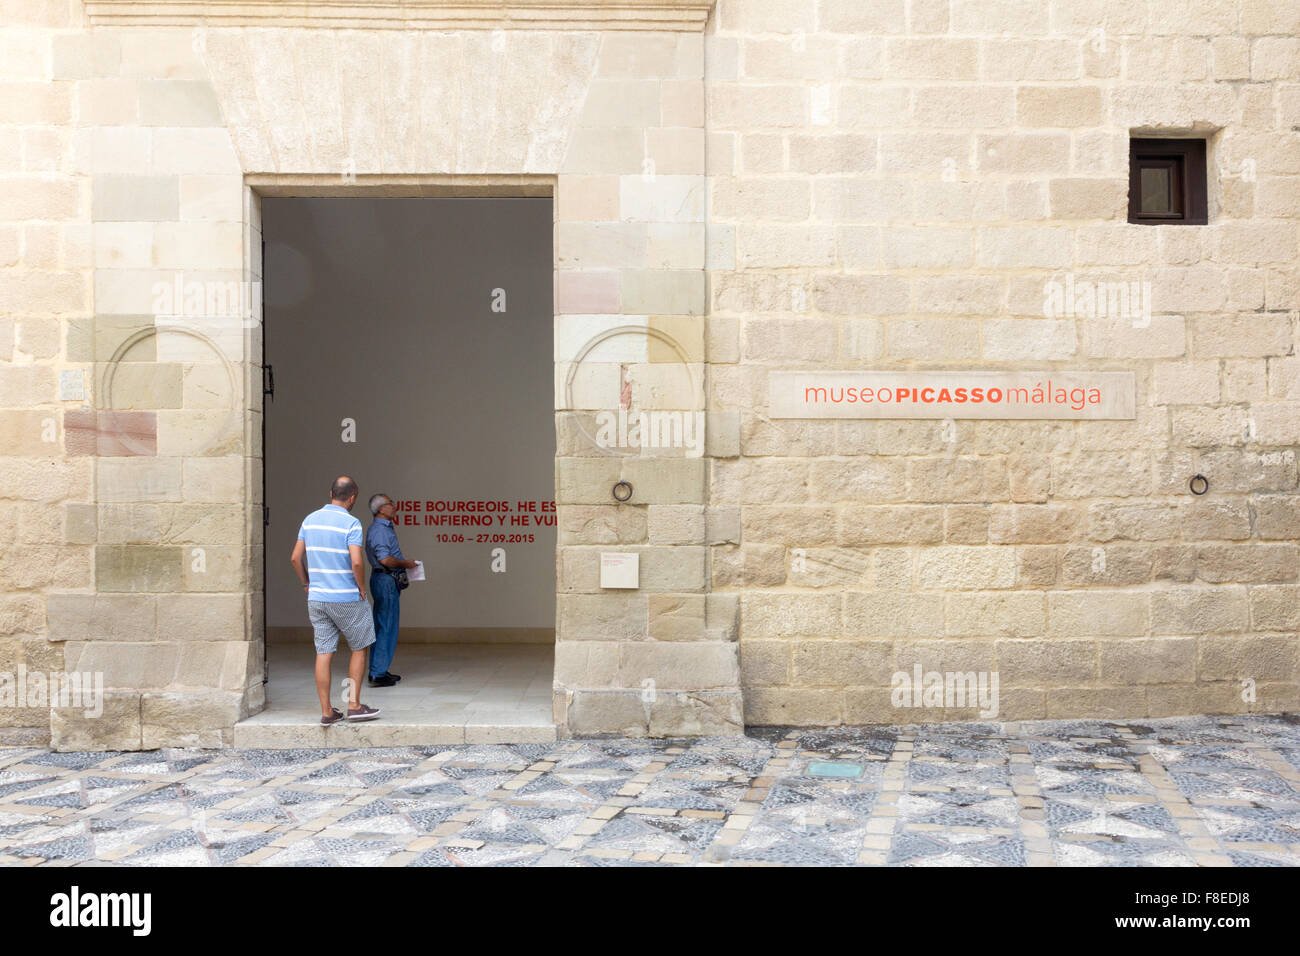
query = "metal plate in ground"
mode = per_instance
[{"x": 826, "y": 768}]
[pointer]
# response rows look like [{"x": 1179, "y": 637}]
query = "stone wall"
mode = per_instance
[
  {"x": 148, "y": 550},
  {"x": 893, "y": 185},
  {"x": 832, "y": 184},
  {"x": 141, "y": 142}
]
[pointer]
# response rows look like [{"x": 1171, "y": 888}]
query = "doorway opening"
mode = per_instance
[{"x": 408, "y": 344}]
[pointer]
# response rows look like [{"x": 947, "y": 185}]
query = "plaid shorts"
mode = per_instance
[{"x": 352, "y": 618}]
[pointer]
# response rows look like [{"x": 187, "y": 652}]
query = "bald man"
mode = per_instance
[{"x": 327, "y": 560}]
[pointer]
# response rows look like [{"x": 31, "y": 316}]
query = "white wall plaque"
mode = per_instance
[
  {"x": 619, "y": 570},
  {"x": 952, "y": 394}
]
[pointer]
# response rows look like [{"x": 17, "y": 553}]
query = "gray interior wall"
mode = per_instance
[{"x": 380, "y": 311}]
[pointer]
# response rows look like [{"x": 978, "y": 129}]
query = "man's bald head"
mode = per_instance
[{"x": 343, "y": 491}]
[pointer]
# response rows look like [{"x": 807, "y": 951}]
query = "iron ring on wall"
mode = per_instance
[
  {"x": 625, "y": 496},
  {"x": 1198, "y": 481}
]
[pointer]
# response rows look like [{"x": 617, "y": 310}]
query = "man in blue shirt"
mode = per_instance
[
  {"x": 386, "y": 558},
  {"x": 327, "y": 560}
]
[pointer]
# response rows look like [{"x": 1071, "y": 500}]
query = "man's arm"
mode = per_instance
[
  {"x": 358, "y": 569},
  {"x": 296, "y": 559},
  {"x": 392, "y": 562}
]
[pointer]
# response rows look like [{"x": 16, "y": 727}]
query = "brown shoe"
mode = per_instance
[
  {"x": 363, "y": 713},
  {"x": 334, "y": 717}
]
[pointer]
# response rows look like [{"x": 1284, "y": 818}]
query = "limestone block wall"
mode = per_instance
[
  {"x": 854, "y": 184},
  {"x": 134, "y": 154},
  {"x": 893, "y": 185},
  {"x": 133, "y": 259},
  {"x": 630, "y": 301}
]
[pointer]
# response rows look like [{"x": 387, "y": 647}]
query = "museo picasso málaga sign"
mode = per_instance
[{"x": 951, "y": 394}]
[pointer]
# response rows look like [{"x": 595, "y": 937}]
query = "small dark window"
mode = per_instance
[{"x": 1166, "y": 181}]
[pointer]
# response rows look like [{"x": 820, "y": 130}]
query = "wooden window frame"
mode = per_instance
[{"x": 1186, "y": 159}]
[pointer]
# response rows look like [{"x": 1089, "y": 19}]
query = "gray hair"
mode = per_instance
[{"x": 377, "y": 502}]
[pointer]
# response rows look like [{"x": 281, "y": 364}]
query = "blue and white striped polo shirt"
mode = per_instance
[{"x": 327, "y": 533}]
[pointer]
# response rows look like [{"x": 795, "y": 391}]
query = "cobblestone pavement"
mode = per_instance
[{"x": 1206, "y": 790}]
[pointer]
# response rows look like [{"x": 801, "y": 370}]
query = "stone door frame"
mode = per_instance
[
  {"x": 290, "y": 186},
  {"x": 597, "y": 103}
]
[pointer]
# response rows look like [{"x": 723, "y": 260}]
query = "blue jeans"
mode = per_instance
[{"x": 387, "y": 610}]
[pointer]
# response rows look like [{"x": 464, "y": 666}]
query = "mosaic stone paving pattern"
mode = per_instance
[{"x": 1208, "y": 791}]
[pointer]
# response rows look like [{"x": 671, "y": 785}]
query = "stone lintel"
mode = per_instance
[{"x": 656, "y": 15}]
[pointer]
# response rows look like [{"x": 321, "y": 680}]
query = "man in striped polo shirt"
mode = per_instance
[{"x": 327, "y": 559}]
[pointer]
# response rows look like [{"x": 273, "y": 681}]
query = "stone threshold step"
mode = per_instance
[{"x": 343, "y": 736}]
